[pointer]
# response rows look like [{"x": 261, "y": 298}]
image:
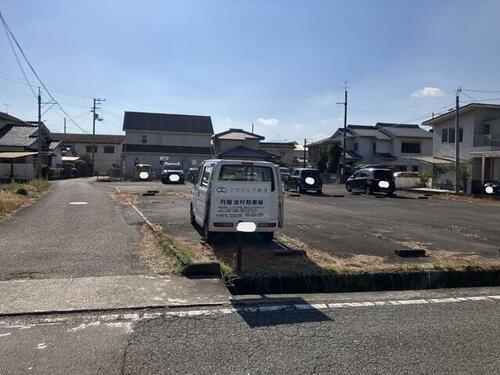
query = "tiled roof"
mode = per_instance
[
  {"x": 87, "y": 138},
  {"x": 385, "y": 156},
  {"x": 237, "y": 134},
  {"x": 403, "y": 130},
  {"x": 367, "y": 131},
  {"x": 18, "y": 135},
  {"x": 164, "y": 122},
  {"x": 10, "y": 118},
  {"x": 245, "y": 152}
]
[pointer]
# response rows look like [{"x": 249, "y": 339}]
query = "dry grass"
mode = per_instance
[
  {"x": 316, "y": 262},
  {"x": 153, "y": 253},
  {"x": 193, "y": 251},
  {"x": 11, "y": 201},
  {"x": 124, "y": 198}
]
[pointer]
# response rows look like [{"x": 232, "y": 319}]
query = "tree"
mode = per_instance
[
  {"x": 334, "y": 153},
  {"x": 322, "y": 161}
]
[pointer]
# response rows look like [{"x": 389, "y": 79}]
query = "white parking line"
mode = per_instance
[{"x": 127, "y": 319}]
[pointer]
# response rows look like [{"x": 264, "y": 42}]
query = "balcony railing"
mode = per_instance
[{"x": 487, "y": 140}]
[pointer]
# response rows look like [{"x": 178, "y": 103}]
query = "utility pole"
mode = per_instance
[
  {"x": 39, "y": 158},
  {"x": 344, "y": 169},
  {"x": 305, "y": 145},
  {"x": 95, "y": 117},
  {"x": 252, "y": 127},
  {"x": 457, "y": 142},
  {"x": 65, "y": 125}
]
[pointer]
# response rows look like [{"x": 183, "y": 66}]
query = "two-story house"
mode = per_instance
[
  {"x": 108, "y": 148},
  {"x": 240, "y": 144},
  {"x": 153, "y": 138},
  {"x": 478, "y": 137},
  {"x": 385, "y": 144}
]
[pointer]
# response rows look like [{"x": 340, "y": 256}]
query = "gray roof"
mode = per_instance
[
  {"x": 403, "y": 130},
  {"x": 18, "y": 135},
  {"x": 237, "y": 134},
  {"x": 245, "y": 152},
  {"x": 87, "y": 138},
  {"x": 164, "y": 122},
  {"x": 367, "y": 131},
  {"x": 10, "y": 118},
  {"x": 465, "y": 108}
]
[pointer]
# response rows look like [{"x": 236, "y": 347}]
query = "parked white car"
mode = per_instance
[
  {"x": 406, "y": 179},
  {"x": 228, "y": 192}
]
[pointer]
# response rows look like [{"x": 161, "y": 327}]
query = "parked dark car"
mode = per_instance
[
  {"x": 492, "y": 188},
  {"x": 284, "y": 173},
  {"x": 372, "y": 180},
  {"x": 172, "y": 173},
  {"x": 304, "y": 179}
]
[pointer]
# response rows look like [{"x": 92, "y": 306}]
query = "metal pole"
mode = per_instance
[
  {"x": 344, "y": 169},
  {"x": 39, "y": 158},
  {"x": 305, "y": 145},
  {"x": 238, "y": 253},
  {"x": 93, "y": 138},
  {"x": 65, "y": 125},
  {"x": 457, "y": 144}
]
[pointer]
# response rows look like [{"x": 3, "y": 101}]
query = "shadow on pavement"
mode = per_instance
[{"x": 280, "y": 311}]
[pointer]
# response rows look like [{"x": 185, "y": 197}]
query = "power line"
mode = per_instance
[
  {"x": 6, "y": 28},
  {"x": 485, "y": 91},
  {"x": 393, "y": 110},
  {"x": 36, "y": 74}
]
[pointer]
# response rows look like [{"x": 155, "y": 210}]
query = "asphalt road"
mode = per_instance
[
  {"x": 372, "y": 335},
  {"x": 344, "y": 223},
  {"x": 53, "y": 238}
]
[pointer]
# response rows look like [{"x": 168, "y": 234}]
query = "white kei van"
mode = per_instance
[{"x": 227, "y": 192}]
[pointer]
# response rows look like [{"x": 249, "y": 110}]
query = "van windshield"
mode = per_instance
[{"x": 245, "y": 173}]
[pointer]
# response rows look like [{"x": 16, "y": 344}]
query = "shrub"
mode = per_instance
[{"x": 22, "y": 191}]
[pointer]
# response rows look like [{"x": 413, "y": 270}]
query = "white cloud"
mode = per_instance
[
  {"x": 268, "y": 121},
  {"x": 428, "y": 92}
]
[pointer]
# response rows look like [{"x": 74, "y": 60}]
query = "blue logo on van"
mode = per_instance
[{"x": 221, "y": 189}]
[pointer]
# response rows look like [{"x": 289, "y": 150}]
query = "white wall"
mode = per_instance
[
  {"x": 102, "y": 160},
  {"x": 467, "y": 122},
  {"x": 168, "y": 138},
  {"x": 23, "y": 171}
]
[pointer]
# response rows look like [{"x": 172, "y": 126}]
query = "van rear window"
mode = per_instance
[{"x": 246, "y": 173}]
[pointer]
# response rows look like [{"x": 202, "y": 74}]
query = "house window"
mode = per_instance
[
  {"x": 88, "y": 149},
  {"x": 356, "y": 147},
  {"x": 486, "y": 129},
  {"x": 461, "y": 135},
  {"x": 444, "y": 136},
  {"x": 374, "y": 147},
  {"x": 144, "y": 138},
  {"x": 109, "y": 149},
  {"x": 410, "y": 148},
  {"x": 451, "y": 135},
  {"x": 414, "y": 168}
]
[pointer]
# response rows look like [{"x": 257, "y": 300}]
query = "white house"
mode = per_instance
[
  {"x": 478, "y": 137},
  {"x": 384, "y": 144},
  {"x": 152, "y": 138}
]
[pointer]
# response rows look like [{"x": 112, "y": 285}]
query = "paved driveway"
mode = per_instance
[{"x": 54, "y": 238}]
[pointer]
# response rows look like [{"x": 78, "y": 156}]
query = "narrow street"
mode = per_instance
[
  {"x": 372, "y": 333},
  {"x": 75, "y": 230}
]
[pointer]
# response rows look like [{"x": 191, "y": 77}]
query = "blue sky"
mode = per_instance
[{"x": 278, "y": 64}]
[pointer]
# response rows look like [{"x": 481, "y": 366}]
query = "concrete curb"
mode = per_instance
[
  {"x": 363, "y": 282},
  {"x": 190, "y": 268}
]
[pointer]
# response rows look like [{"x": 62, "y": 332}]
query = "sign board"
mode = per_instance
[{"x": 240, "y": 200}]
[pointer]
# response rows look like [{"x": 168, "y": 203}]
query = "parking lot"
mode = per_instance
[{"x": 342, "y": 224}]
